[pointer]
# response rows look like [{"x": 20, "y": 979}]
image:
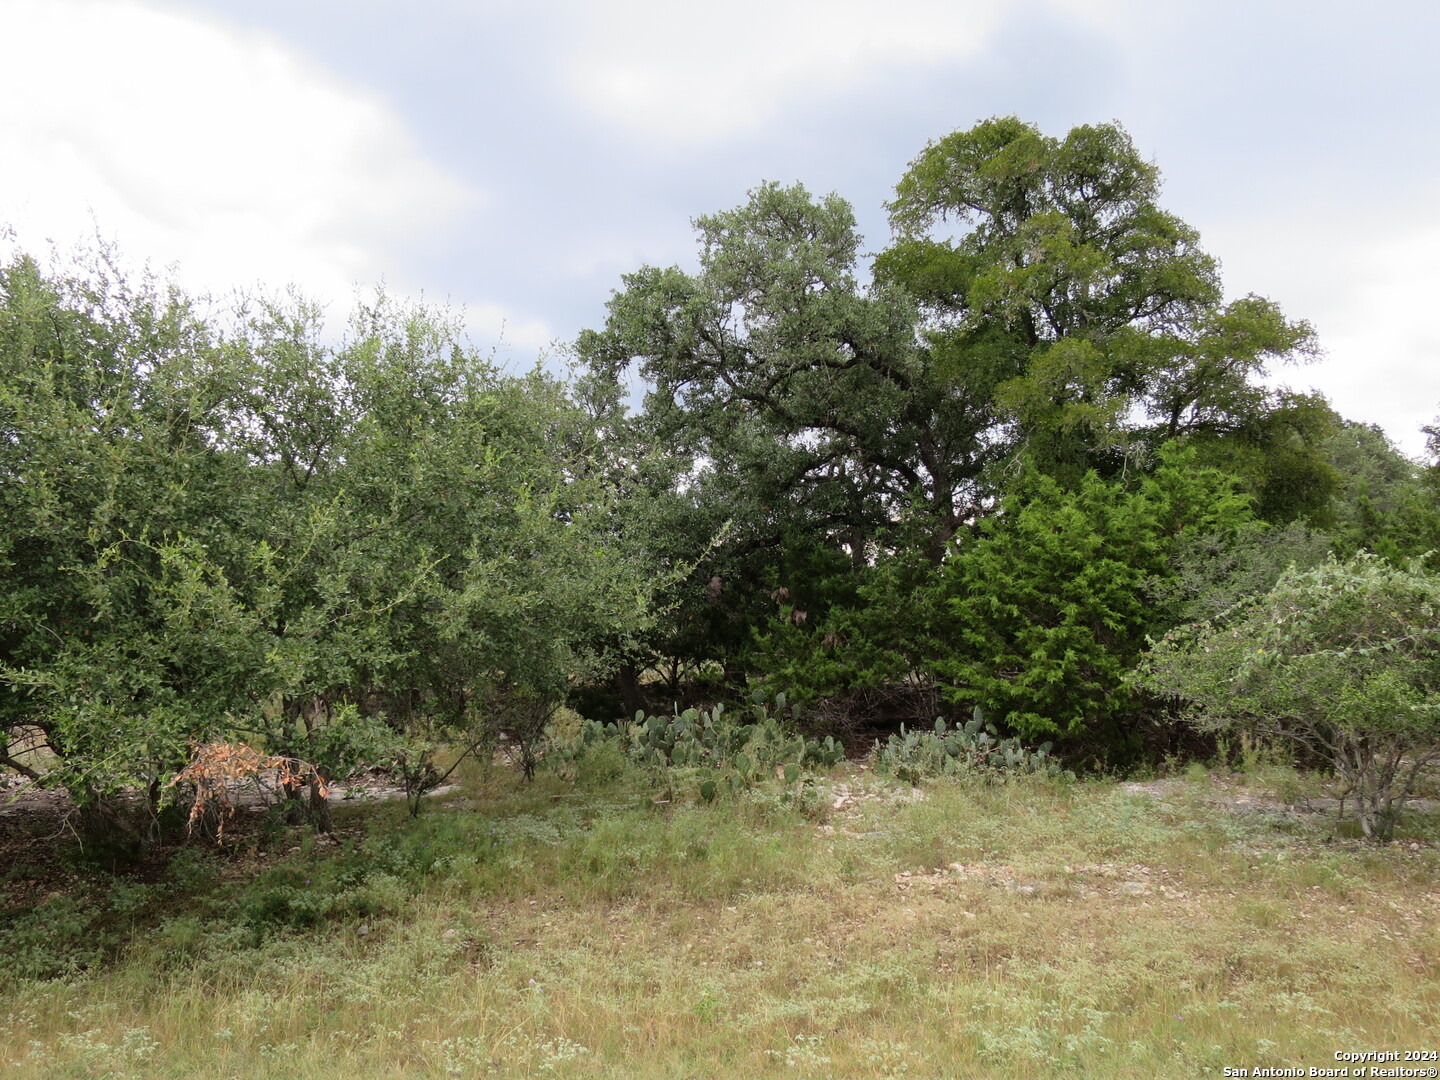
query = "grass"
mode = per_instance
[{"x": 579, "y": 929}]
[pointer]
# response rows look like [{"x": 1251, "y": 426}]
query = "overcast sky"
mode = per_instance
[{"x": 515, "y": 158}]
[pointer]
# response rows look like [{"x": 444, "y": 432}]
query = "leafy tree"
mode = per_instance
[
  {"x": 1371, "y": 466},
  {"x": 1342, "y": 660},
  {"x": 866, "y": 654},
  {"x": 1049, "y": 608},
  {"x": 1281, "y": 457},
  {"x": 1065, "y": 301},
  {"x": 798, "y": 392},
  {"x": 669, "y": 527},
  {"x": 225, "y": 531},
  {"x": 108, "y": 474},
  {"x": 1210, "y": 572},
  {"x": 1387, "y": 503},
  {"x": 1037, "y": 310}
]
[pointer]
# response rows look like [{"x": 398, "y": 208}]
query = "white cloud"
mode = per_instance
[
  {"x": 1368, "y": 283},
  {"x": 491, "y": 327},
  {"x": 192, "y": 141},
  {"x": 1384, "y": 347},
  {"x": 692, "y": 72}
]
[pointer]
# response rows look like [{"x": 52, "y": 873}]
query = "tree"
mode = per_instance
[
  {"x": 1387, "y": 504},
  {"x": 1210, "y": 572},
  {"x": 1064, "y": 324},
  {"x": 1067, "y": 304},
  {"x": 1058, "y": 292},
  {"x": 108, "y": 394},
  {"x": 1342, "y": 660},
  {"x": 867, "y": 652},
  {"x": 224, "y": 529},
  {"x": 1049, "y": 608},
  {"x": 794, "y": 389}
]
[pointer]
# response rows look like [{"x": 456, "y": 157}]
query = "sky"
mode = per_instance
[{"x": 513, "y": 159}]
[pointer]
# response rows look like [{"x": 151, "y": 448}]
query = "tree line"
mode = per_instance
[{"x": 988, "y": 467}]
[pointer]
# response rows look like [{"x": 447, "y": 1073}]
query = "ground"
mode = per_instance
[{"x": 857, "y": 928}]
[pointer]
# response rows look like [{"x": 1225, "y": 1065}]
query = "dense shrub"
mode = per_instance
[
  {"x": 1050, "y": 606},
  {"x": 1342, "y": 660},
  {"x": 220, "y": 526}
]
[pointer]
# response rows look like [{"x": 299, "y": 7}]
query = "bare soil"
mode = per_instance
[{"x": 1232, "y": 795}]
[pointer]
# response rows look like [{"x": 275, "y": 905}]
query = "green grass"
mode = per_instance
[{"x": 582, "y": 930}]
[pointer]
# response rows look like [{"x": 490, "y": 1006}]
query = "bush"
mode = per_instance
[
  {"x": 227, "y": 525},
  {"x": 723, "y": 751},
  {"x": 973, "y": 748},
  {"x": 1049, "y": 604},
  {"x": 1342, "y": 660},
  {"x": 56, "y": 938}
]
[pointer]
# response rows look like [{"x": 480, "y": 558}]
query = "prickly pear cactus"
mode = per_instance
[
  {"x": 738, "y": 749},
  {"x": 974, "y": 747}
]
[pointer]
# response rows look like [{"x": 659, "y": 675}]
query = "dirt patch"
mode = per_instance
[
  {"x": 1114, "y": 881},
  {"x": 1230, "y": 795},
  {"x": 24, "y": 805}
]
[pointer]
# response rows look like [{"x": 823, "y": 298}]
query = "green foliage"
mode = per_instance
[
  {"x": 725, "y": 752},
  {"x": 1036, "y": 307},
  {"x": 974, "y": 747},
  {"x": 1061, "y": 295},
  {"x": 1049, "y": 605},
  {"x": 1281, "y": 456},
  {"x": 230, "y": 525},
  {"x": 870, "y": 636},
  {"x": 780, "y": 393},
  {"x": 1210, "y": 572},
  {"x": 1387, "y": 503},
  {"x": 55, "y": 938},
  {"x": 1342, "y": 660},
  {"x": 375, "y": 879},
  {"x": 222, "y": 527},
  {"x": 72, "y": 932}
]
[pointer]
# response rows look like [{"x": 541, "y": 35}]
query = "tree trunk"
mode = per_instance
[{"x": 627, "y": 681}]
